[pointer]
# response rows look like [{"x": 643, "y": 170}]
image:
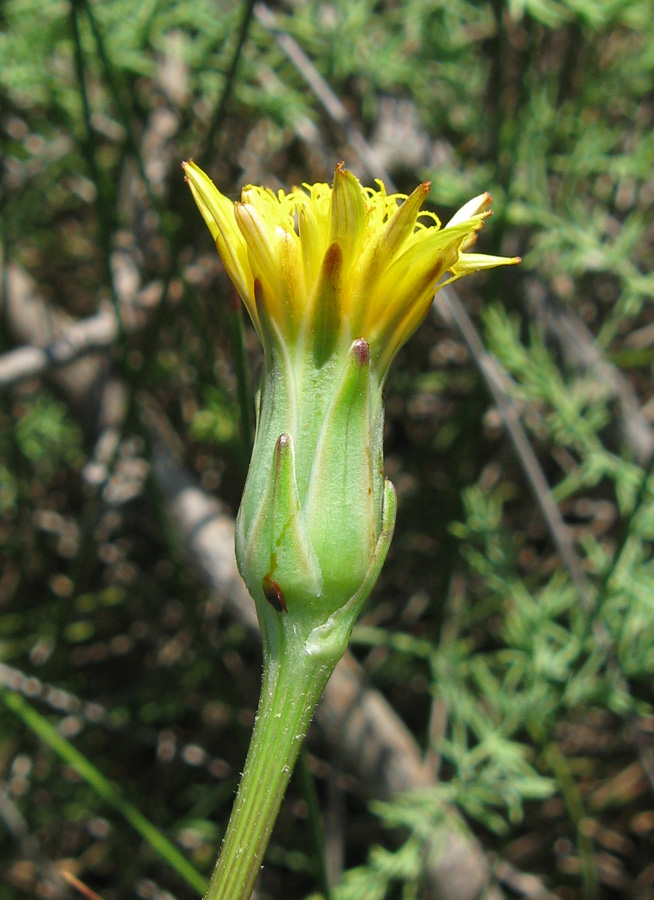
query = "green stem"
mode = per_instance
[
  {"x": 301, "y": 647},
  {"x": 293, "y": 681}
]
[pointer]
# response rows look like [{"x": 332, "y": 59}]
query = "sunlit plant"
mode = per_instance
[{"x": 335, "y": 280}]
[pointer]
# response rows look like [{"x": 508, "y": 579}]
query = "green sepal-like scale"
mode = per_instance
[
  {"x": 278, "y": 553},
  {"x": 340, "y": 512},
  {"x": 305, "y": 544}
]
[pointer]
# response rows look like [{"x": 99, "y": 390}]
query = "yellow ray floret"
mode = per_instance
[{"x": 324, "y": 265}]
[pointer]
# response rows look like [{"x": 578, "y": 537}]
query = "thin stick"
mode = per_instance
[
  {"x": 228, "y": 87},
  {"x": 493, "y": 374},
  {"x": 98, "y": 332}
]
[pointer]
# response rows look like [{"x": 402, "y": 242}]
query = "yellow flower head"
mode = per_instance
[{"x": 321, "y": 266}]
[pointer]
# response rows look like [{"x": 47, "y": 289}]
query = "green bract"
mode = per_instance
[{"x": 312, "y": 509}]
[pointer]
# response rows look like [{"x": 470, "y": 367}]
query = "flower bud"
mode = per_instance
[
  {"x": 335, "y": 280},
  {"x": 312, "y": 509}
]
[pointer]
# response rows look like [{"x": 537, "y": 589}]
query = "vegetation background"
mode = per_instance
[{"x": 510, "y": 641}]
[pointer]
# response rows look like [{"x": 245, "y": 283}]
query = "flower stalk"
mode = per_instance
[
  {"x": 297, "y": 665},
  {"x": 292, "y": 685}
]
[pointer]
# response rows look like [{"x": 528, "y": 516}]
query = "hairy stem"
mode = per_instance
[{"x": 292, "y": 684}]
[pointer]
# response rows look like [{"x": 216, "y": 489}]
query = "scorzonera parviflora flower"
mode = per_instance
[{"x": 335, "y": 280}]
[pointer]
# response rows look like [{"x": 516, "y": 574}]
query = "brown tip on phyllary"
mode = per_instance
[
  {"x": 273, "y": 594},
  {"x": 361, "y": 350}
]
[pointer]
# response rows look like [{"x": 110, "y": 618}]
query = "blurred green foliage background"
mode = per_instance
[{"x": 524, "y": 672}]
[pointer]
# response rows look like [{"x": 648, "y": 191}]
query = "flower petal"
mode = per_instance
[
  {"x": 218, "y": 212},
  {"x": 474, "y": 262},
  {"x": 382, "y": 250},
  {"x": 340, "y": 262},
  {"x": 347, "y": 215},
  {"x": 472, "y": 208},
  {"x": 326, "y": 322},
  {"x": 313, "y": 238},
  {"x": 415, "y": 271}
]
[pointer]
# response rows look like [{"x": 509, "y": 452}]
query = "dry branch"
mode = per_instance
[{"x": 95, "y": 333}]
